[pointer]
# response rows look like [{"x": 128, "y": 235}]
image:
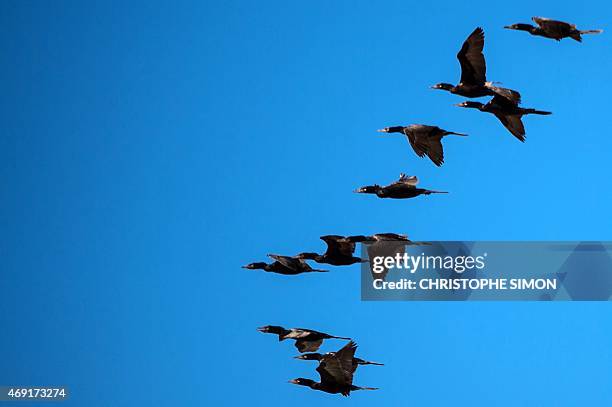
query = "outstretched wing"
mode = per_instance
[
  {"x": 339, "y": 245},
  {"x": 514, "y": 124},
  {"x": 511, "y": 95},
  {"x": 289, "y": 262},
  {"x": 435, "y": 152},
  {"x": 408, "y": 180},
  {"x": 338, "y": 368},
  {"x": 471, "y": 58},
  {"x": 418, "y": 136},
  {"x": 390, "y": 236},
  {"x": 417, "y": 144},
  {"x": 308, "y": 346},
  {"x": 554, "y": 25},
  {"x": 426, "y": 141}
]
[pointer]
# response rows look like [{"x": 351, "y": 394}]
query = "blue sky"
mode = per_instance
[{"x": 149, "y": 150}]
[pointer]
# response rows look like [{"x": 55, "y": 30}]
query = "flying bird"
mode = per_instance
[
  {"x": 306, "y": 340},
  {"x": 336, "y": 372},
  {"x": 557, "y": 30},
  {"x": 473, "y": 83},
  {"x": 425, "y": 140},
  {"x": 339, "y": 251},
  {"x": 508, "y": 113},
  {"x": 284, "y": 265},
  {"x": 404, "y": 187}
]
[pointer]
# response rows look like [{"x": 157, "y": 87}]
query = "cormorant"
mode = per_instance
[
  {"x": 557, "y": 30},
  {"x": 508, "y": 113},
  {"x": 339, "y": 251},
  {"x": 425, "y": 140},
  {"x": 336, "y": 372},
  {"x": 404, "y": 187},
  {"x": 306, "y": 340},
  {"x": 284, "y": 265},
  {"x": 473, "y": 82}
]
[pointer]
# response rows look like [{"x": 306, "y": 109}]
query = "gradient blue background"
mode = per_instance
[{"x": 149, "y": 150}]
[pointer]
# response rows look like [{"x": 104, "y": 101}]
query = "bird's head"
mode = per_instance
[
  {"x": 309, "y": 356},
  {"x": 271, "y": 329},
  {"x": 520, "y": 27},
  {"x": 369, "y": 189},
  {"x": 443, "y": 86},
  {"x": 255, "y": 266},
  {"x": 392, "y": 129},
  {"x": 302, "y": 382},
  {"x": 468, "y": 104}
]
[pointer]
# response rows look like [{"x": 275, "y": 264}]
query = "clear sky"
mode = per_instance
[{"x": 149, "y": 150}]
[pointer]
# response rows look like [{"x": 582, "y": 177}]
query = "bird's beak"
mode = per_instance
[
  {"x": 297, "y": 357},
  {"x": 358, "y": 191},
  {"x": 508, "y": 27},
  {"x": 261, "y": 329},
  {"x": 458, "y": 104},
  {"x": 244, "y": 267},
  {"x": 382, "y": 131},
  {"x": 433, "y": 87},
  {"x": 293, "y": 381}
]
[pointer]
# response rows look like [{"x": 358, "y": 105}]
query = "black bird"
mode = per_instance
[
  {"x": 557, "y": 30},
  {"x": 306, "y": 340},
  {"x": 473, "y": 83},
  {"x": 284, "y": 265},
  {"x": 319, "y": 356},
  {"x": 425, "y": 140},
  {"x": 404, "y": 187},
  {"x": 508, "y": 113},
  {"x": 336, "y": 372},
  {"x": 339, "y": 251}
]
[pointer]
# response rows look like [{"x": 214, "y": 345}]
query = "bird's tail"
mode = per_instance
[
  {"x": 534, "y": 111},
  {"x": 366, "y": 362},
  {"x": 435, "y": 192},
  {"x": 339, "y": 337},
  {"x": 455, "y": 134},
  {"x": 363, "y": 388},
  {"x": 591, "y": 31},
  {"x": 319, "y": 271}
]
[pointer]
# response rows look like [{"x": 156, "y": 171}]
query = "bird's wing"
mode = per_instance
[
  {"x": 390, "y": 236},
  {"x": 286, "y": 261},
  {"x": 326, "y": 376},
  {"x": 338, "y": 367},
  {"x": 346, "y": 357},
  {"x": 548, "y": 24},
  {"x": 503, "y": 102},
  {"x": 471, "y": 58},
  {"x": 420, "y": 129},
  {"x": 339, "y": 244},
  {"x": 514, "y": 124},
  {"x": 408, "y": 180},
  {"x": 417, "y": 144},
  {"x": 435, "y": 152},
  {"x": 297, "y": 333},
  {"x": 512, "y": 95},
  {"x": 308, "y": 346}
]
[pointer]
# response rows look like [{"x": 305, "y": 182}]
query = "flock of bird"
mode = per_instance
[{"x": 336, "y": 369}]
